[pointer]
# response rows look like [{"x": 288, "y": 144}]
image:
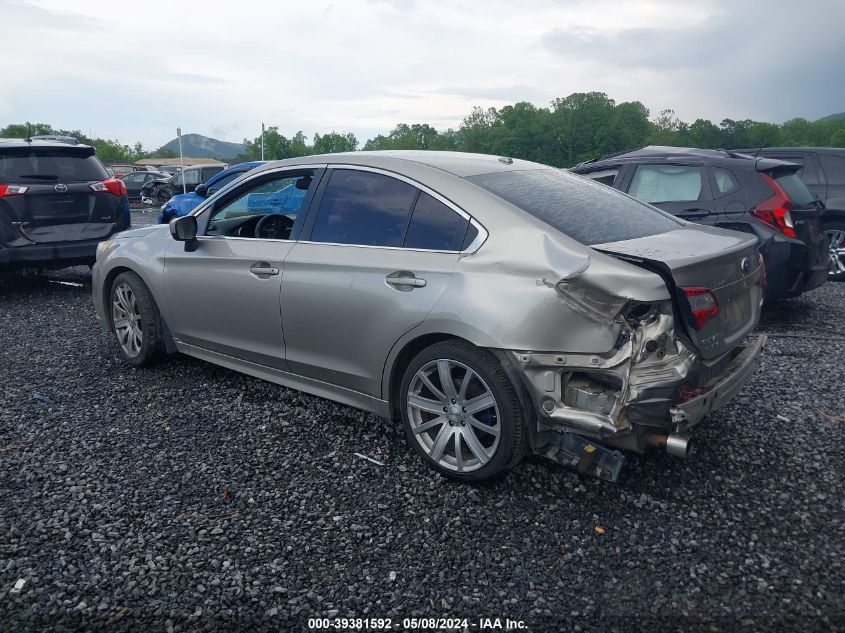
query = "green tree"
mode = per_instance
[
  {"x": 703, "y": 133},
  {"x": 578, "y": 121},
  {"x": 333, "y": 142}
]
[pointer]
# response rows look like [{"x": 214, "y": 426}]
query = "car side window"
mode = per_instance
[
  {"x": 192, "y": 177},
  {"x": 363, "y": 208},
  {"x": 222, "y": 182},
  {"x": 208, "y": 172},
  {"x": 724, "y": 182},
  {"x": 666, "y": 183},
  {"x": 435, "y": 226},
  {"x": 605, "y": 176},
  {"x": 834, "y": 168},
  {"x": 265, "y": 209}
]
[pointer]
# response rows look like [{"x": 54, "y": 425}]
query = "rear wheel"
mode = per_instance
[
  {"x": 461, "y": 413},
  {"x": 135, "y": 320},
  {"x": 834, "y": 231}
]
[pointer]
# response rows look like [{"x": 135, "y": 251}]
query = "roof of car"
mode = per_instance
[
  {"x": 817, "y": 150},
  {"x": 21, "y": 142},
  {"x": 460, "y": 164},
  {"x": 685, "y": 155}
]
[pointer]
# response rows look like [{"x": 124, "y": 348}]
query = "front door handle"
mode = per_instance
[
  {"x": 404, "y": 280},
  {"x": 263, "y": 270}
]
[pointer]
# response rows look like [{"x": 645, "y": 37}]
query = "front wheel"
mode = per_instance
[
  {"x": 161, "y": 195},
  {"x": 135, "y": 320},
  {"x": 834, "y": 231},
  {"x": 461, "y": 413}
]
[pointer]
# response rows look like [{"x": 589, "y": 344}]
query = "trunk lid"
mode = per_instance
[{"x": 726, "y": 263}]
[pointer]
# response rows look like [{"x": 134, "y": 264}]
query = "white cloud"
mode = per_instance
[{"x": 136, "y": 71}]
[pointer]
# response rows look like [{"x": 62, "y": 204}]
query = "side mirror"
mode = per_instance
[
  {"x": 184, "y": 229},
  {"x": 201, "y": 190}
]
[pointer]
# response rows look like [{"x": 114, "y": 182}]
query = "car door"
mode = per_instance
[
  {"x": 224, "y": 295},
  {"x": 834, "y": 173},
  {"x": 682, "y": 190},
  {"x": 377, "y": 253},
  {"x": 133, "y": 183}
]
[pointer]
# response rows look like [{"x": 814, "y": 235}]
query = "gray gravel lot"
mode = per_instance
[{"x": 190, "y": 498}]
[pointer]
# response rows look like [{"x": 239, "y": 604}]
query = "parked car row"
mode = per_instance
[
  {"x": 494, "y": 306},
  {"x": 183, "y": 203},
  {"x": 160, "y": 190}
]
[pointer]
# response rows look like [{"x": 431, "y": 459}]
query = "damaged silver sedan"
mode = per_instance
[{"x": 494, "y": 306}]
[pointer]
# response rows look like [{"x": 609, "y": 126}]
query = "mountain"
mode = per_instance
[
  {"x": 199, "y": 146},
  {"x": 833, "y": 117}
]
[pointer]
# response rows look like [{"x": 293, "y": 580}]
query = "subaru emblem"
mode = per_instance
[
  {"x": 745, "y": 264},
  {"x": 60, "y": 188}
]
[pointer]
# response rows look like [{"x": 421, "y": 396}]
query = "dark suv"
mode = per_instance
[
  {"x": 823, "y": 171},
  {"x": 761, "y": 196},
  {"x": 57, "y": 202}
]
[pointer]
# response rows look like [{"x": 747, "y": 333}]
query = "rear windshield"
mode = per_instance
[
  {"x": 48, "y": 165},
  {"x": 586, "y": 211},
  {"x": 795, "y": 188}
]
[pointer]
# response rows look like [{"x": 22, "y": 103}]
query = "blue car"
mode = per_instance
[{"x": 184, "y": 203}]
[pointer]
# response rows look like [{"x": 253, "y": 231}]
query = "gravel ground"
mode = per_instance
[{"x": 190, "y": 498}]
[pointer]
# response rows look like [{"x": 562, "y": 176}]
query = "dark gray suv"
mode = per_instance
[
  {"x": 823, "y": 171},
  {"x": 761, "y": 196},
  {"x": 57, "y": 203}
]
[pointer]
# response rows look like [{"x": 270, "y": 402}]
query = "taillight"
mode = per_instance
[
  {"x": 12, "y": 190},
  {"x": 763, "y": 277},
  {"x": 112, "y": 185},
  {"x": 703, "y": 304},
  {"x": 775, "y": 210}
]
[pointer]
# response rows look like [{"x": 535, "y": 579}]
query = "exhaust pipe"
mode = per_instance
[
  {"x": 675, "y": 444},
  {"x": 679, "y": 445}
]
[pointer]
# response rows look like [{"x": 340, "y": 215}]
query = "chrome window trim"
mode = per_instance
[
  {"x": 204, "y": 238},
  {"x": 471, "y": 248}
]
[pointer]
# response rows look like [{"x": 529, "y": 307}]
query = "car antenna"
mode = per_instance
[{"x": 28, "y": 132}]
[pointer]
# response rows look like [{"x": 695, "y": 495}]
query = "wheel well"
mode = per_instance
[
  {"x": 107, "y": 283},
  {"x": 411, "y": 349}
]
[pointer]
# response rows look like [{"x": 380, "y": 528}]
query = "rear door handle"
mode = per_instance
[
  {"x": 404, "y": 280},
  {"x": 263, "y": 269}
]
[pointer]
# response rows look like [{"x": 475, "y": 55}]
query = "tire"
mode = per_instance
[
  {"x": 161, "y": 196},
  {"x": 835, "y": 229},
  {"x": 140, "y": 341},
  {"x": 431, "y": 431}
]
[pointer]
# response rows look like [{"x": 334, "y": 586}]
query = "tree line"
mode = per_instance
[{"x": 572, "y": 129}]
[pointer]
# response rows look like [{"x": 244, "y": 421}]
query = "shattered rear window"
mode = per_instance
[{"x": 586, "y": 211}]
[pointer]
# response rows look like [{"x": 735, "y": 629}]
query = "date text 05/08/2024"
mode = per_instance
[{"x": 416, "y": 624}]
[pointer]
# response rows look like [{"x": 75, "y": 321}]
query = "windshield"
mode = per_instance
[
  {"x": 48, "y": 165},
  {"x": 586, "y": 211}
]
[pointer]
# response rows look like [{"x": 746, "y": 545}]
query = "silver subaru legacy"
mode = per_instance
[{"x": 494, "y": 306}]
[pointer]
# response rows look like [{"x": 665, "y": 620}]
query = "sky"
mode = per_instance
[{"x": 133, "y": 71}]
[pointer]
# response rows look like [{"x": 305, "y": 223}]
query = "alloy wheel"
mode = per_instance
[
  {"x": 454, "y": 415},
  {"x": 836, "y": 251},
  {"x": 126, "y": 316}
]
